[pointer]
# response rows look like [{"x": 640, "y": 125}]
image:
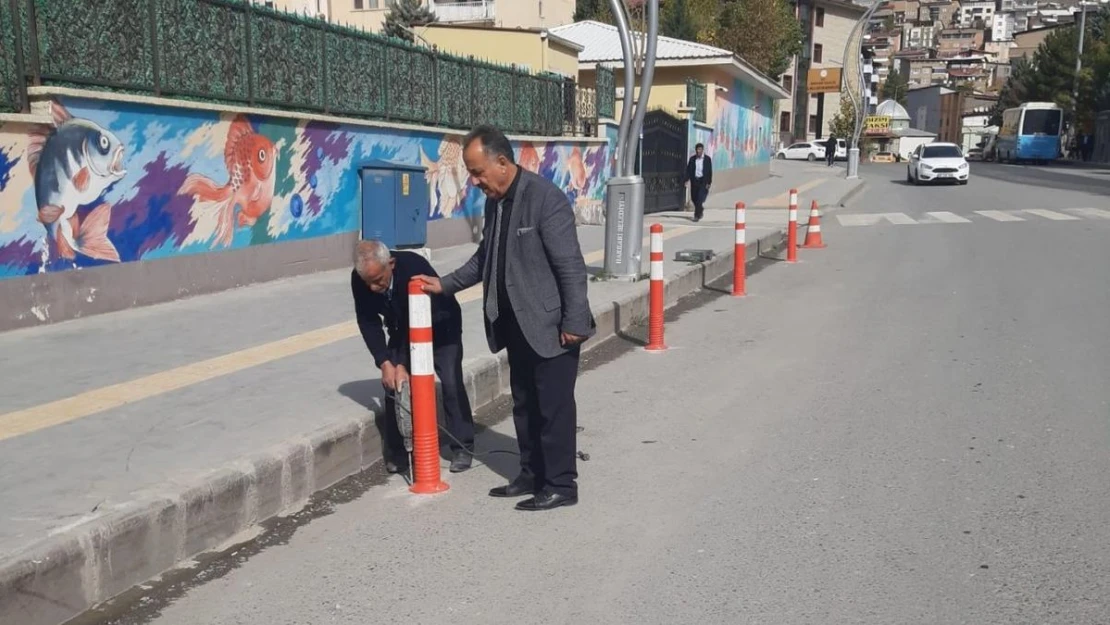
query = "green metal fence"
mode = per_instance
[
  {"x": 234, "y": 51},
  {"x": 696, "y": 96},
  {"x": 606, "y": 93},
  {"x": 13, "y": 92}
]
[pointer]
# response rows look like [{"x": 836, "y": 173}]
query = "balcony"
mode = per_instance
[{"x": 449, "y": 12}]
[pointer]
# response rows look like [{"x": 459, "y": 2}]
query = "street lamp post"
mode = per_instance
[
  {"x": 624, "y": 193},
  {"x": 1078, "y": 67},
  {"x": 856, "y": 48}
]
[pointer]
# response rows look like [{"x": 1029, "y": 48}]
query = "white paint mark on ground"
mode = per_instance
[
  {"x": 1047, "y": 214},
  {"x": 999, "y": 215}
]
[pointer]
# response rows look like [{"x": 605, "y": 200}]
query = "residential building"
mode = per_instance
[
  {"x": 919, "y": 35},
  {"x": 1002, "y": 27},
  {"x": 976, "y": 13},
  {"x": 972, "y": 70},
  {"x": 531, "y": 49},
  {"x": 944, "y": 13},
  {"x": 922, "y": 68},
  {"x": 905, "y": 11},
  {"x": 1026, "y": 43},
  {"x": 370, "y": 14},
  {"x": 1017, "y": 13},
  {"x": 826, "y": 26},
  {"x": 898, "y": 137},
  {"x": 938, "y": 110},
  {"x": 740, "y": 104},
  {"x": 953, "y": 41}
]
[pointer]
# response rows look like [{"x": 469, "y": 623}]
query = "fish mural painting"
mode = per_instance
[
  {"x": 72, "y": 165},
  {"x": 111, "y": 181},
  {"x": 250, "y": 158},
  {"x": 742, "y": 131}
]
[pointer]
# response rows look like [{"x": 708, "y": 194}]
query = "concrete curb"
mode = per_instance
[
  {"x": 850, "y": 195},
  {"x": 84, "y": 565}
]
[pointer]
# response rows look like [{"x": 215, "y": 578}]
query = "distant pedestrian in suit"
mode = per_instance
[
  {"x": 699, "y": 175},
  {"x": 530, "y": 265},
  {"x": 830, "y": 150},
  {"x": 379, "y": 284}
]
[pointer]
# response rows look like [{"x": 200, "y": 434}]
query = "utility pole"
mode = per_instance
[
  {"x": 853, "y": 57},
  {"x": 624, "y": 193},
  {"x": 1078, "y": 67}
]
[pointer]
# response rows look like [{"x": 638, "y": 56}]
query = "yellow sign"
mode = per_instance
[
  {"x": 876, "y": 125},
  {"x": 823, "y": 80},
  {"x": 404, "y": 184}
]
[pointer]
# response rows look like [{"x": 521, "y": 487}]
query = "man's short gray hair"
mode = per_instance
[
  {"x": 494, "y": 142},
  {"x": 368, "y": 253}
]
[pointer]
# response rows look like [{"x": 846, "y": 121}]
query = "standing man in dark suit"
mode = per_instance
[
  {"x": 531, "y": 267},
  {"x": 699, "y": 175},
  {"x": 379, "y": 283},
  {"x": 830, "y": 150}
]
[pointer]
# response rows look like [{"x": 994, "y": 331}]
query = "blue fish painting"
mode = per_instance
[{"x": 73, "y": 164}]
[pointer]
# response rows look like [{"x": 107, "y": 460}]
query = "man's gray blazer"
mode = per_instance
[{"x": 545, "y": 274}]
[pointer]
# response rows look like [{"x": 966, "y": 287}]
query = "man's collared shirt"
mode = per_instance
[{"x": 698, "y": 163}]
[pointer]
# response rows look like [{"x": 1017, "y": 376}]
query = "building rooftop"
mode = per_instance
[{"x": 601, "y": 44}]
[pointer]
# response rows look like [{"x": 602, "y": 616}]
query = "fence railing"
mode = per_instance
[
  {"x": 606, "y": 92},
  {"x": 696, "y": 96},
  {"x": 234, "y": 51}
]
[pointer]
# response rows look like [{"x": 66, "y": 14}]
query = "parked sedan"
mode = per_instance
[
  {"x": 934, "y": 162},
  {"x": 808, "y": 150}
]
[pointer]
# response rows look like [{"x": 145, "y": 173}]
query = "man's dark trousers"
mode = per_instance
[
  {"x": 545, "y": 412},
  {"x": 699, "y": 191},
  {"x": 456, "y": 403}
]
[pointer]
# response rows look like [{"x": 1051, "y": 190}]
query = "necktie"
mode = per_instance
[{"x": 491, "y": 292}]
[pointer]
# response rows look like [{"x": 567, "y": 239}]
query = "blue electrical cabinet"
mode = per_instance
[{"x": 395, "y": 204}]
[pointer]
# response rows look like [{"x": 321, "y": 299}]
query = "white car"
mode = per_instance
[
  {"x": 933, "y": 162},
  {"x": 807, "y": 150}
]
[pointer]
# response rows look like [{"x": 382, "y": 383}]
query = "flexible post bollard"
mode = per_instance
[
  {"x": 739, "y": 267},
  {"x": 813, "y": 230},
  {"x": 792, "y": 229},
  {"x": 425, "y": 431},
  {"x": 655, "y": 315}
]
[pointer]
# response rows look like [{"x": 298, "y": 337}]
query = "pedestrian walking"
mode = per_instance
[
  {"x": 379, "y": 284},
  {"x": 699, "y": 176},
  {"x": 830, "y": 150},
  {"x": 530, "y": 265}
]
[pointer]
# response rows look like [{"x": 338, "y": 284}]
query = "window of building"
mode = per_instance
[
  {"x": 788, "y": 83},
  {"x": 819, "y": 18},
  {"x": 358, "y": 5},
  {"x": 813, "y": 124},
  {"x": 784, "y": 122},
  {"x": 817, "y": 52}
]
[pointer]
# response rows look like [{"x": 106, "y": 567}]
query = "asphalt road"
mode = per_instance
[
  {"x": 1058, "y": 177},
  {"x": 910, "y": 426}
]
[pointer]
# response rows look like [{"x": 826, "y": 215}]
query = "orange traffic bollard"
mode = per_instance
[
  {"x": 655, "y": 314},
  {"x": 792, "y": 229},
  {"x": 813, "y": 230},
  {"x": 425, "y": 432},
  {"x": 739, "y": 268}
]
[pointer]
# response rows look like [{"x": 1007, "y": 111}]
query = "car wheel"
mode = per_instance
[
  {"x": 811, "y": 157},
  {"x": 909, "y": 178},
  {"x": 781, "y": 156}
]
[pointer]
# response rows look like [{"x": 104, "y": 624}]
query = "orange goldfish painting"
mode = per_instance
[
  {"x": 249, "y": 157},
  {"x": 447, "y": 176},
  {"x": 529, "y": 158}
]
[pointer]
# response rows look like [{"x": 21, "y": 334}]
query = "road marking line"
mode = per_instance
[
  {"x": 870, "y": 219},
  {"x": 98, "y": 400},
  {"x": 1090, "y": 213},
  {"x": 948, "y": 218},
  {"x": 1047, "y": 214},
  {"x": 999, "y": 215},
  {"x": 783, "y": 199}
]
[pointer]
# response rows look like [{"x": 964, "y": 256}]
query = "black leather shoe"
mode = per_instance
[
  {"x": 396, "y": 467},
  {"x": 545, "y": 500},
  {"x": 515, "y": 488},
  {"x": 461, "y": 462}
]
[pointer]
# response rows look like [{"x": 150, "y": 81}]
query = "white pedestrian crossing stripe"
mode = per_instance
[{"x": 947, "y": 217}]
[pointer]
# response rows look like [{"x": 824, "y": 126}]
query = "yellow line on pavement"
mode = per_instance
[
  {"x": 782, "y": 200},
  {"x": 105, "y": 398}
]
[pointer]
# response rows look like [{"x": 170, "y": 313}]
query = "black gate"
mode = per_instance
[{"x": 664, "y": 160}]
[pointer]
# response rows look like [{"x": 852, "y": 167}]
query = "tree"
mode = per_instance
[
  {"x": 764, "y": 33},
  {"x": 843, "y": 124},
  {"x": 403, "y": 16},
  {"x": 895, "y": 87},
  {"x": 676, "y": 21},
  {"x": 597, "y": 10}
]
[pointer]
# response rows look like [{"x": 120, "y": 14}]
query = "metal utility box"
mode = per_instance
[{"x": 395, "y": 204}]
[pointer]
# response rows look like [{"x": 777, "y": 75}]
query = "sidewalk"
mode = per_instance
[{"x": 132, "y": 441}]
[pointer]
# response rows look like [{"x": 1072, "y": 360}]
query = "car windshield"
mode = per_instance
[{"x": 941, "y": 151}]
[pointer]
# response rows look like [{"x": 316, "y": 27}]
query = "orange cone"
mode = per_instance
[{"x": 813, "y": 229}]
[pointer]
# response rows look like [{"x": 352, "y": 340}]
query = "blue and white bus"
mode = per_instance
[{"x": 1030, "y": 132}]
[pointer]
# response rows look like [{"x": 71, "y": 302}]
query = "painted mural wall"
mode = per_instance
[
  {"x": 111, "y": 182},
  {"x": 743, "y": 129}
]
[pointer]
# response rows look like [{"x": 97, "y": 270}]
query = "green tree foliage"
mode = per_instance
[
  {"x": 843, "y": 124},
  {"x": 676, "y": 21},
  {"x": 895, "y": 87},
  {"x": 764, "y": 33},
  {"x": 597, "y": 10},
  {"x": 405, "y": 14}
]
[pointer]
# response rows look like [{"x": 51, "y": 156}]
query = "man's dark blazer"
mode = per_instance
[
  {"x": 371, "y": 308},
  {"x": 545, "y": 274},
  {"x": 706, "y": 170}
]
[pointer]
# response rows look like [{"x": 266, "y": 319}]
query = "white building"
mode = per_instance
[{"x": 973, "y": 10}]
